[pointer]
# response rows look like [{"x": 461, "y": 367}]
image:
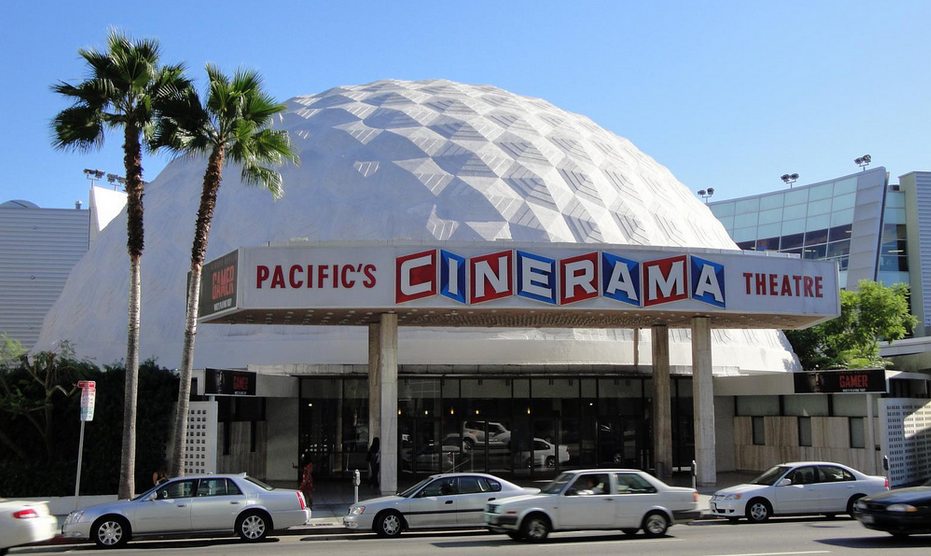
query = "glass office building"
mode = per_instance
[{"x": 856, "y": 220}]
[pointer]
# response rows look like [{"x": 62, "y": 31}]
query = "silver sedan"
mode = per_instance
[
  {"x": 439, "y": 501},
  {"x": 189, "y": 506}
]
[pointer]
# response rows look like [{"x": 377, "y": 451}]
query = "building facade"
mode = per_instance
[{"x": 38, "y": 248}]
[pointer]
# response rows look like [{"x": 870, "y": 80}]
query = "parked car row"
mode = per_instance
[{"x": 629, "y": 500}]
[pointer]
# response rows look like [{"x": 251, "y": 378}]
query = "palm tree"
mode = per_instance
[
  {"x": 233, "y": 125},
  {"x": 124, "y": 84}
]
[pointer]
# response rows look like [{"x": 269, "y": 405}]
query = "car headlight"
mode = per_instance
[
  {"x": 357, "y": 510},
  {"x": 731, "y": 497},
  {"x": 901, "y": 508}
]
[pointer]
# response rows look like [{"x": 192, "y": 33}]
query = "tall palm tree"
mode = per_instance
[
  {"x": 121, "y": 91},
  {"x": 233, "y": 124}
]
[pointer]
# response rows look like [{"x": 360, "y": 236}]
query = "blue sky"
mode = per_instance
[{"x": 729, "y": 95}]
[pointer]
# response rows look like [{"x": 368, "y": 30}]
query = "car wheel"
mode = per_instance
[
  {"x": 110, "y": 532},
  {"x": 389, "y": 524},
  {"x": 253, "y": 526},
  {"x": 535, "y": 528},
  {"x": 630, "y": 531},
  {"x": 655, "y": 524},
  {"x": 550, "y": 462},
  {"x": 515, "y": 536},
  {"x": 851, "y": 502},
  {"x": 899, "y": 534},
  {"x": 758, "y": 510}
]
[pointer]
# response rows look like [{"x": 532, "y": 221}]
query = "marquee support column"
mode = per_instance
[
  {"x": 870, "y": 437},
  {"x": 374, "y": 383},
  {"x": 388, "y": 387},
  {"x": 662, "y": 408},
  {"x": 703, "y": 401}
]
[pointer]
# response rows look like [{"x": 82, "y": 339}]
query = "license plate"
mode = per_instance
[{"x": 866, "y": 518}]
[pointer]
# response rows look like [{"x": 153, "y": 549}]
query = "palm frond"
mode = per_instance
[{"x": 78, "y": 127}]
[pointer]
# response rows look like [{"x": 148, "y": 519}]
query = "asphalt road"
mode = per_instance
[{"x": 779, "y": 537}]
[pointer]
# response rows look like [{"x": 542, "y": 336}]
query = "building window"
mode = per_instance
[
  {"x": 804, "y": 431},
  {"x": 759, "y": 433},
  {"x": 856, "y": 432}
]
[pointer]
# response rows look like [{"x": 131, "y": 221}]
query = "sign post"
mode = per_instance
[{"x": 88, "y": 397}]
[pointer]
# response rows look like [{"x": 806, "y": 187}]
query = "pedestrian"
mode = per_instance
[
  {"x": 374, "y": 459},
  {"x": 307, "y": 482},
  {"x": 160, "y": 475}
]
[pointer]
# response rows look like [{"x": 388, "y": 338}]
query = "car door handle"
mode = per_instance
[
  {"x": 609, "y": 499},
  {"x": 182, "y": 505},
  {"x": 233, "y": 502},
  {"x": 449, "y": 501},
  {"x": 492, "y": 498}
]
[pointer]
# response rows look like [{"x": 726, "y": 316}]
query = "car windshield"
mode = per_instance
[
  {"x": 770, "y": 477},
  {"x": 258, "y": 483},
  {"x": 556, "y": 486},
  {"x": 410, "y": 492},
  {"x": 146, "y": 493}
]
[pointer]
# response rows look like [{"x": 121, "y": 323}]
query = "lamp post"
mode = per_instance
[
  {"x": 863, "y": 161},
  {"x": 93, "y": 175},
  {"x": 706, "y": 194},
  {"x": 789, "y": 179}
]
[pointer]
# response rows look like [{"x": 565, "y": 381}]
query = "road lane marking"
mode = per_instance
[{"x": 776, "y": 553}]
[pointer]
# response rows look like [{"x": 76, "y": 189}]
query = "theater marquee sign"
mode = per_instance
[{"x": 541, "y": 285}]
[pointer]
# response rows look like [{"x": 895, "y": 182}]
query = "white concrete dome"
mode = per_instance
[{"x": 417, "y": 161}]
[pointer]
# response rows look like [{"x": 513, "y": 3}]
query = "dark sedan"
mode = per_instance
[{"x": 900, "y": 512}]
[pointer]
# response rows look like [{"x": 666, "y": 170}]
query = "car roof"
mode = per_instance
[
  {"x": 796, "y": 463},
  {"x": 458, "y": 474},
  {"x": 605, "y": 470}
]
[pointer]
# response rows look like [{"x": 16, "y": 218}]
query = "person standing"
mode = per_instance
[
  {"x": 374, "y": 460},
  {"x": 307, "y": 482},
  {"x": 160, "y": 475}
]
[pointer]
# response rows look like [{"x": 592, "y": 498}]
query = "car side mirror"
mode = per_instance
[{"x": 784, "y": 482}]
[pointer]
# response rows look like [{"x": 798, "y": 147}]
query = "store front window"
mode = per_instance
[{"x": 530, "y": 428}]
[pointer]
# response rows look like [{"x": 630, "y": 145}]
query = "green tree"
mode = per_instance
[
  {"x": 29, "y": 387},
  {"x": 121, "y": 92},
  {"x": 871, "y": 314},
  {"x": 232, "y": 124}
]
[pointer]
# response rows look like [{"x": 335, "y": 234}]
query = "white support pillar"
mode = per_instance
[
  {"x": 662, "y": 402},
  {"x": 870, "y": 437},
  {"x": 374, "y": 383},
  {"x": 703, "y": 401},
  {"x": 388, "y": 386}
]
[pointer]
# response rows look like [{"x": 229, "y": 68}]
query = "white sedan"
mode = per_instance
[
  {"x": 806, "y": 487},
  {"x": 625, "y": 499},
  {"x": 24, "y": 522},
  {"x": 544, "y": 454},
  {"x": 439, "y": 501},
  {"x": 189, "y": 506}
]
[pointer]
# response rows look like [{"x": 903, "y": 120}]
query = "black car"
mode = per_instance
[{"x": 900, "y": 512}]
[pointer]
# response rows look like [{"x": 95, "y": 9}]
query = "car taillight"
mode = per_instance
[
  {"x": 300, "y": 499},
  {"x": 694, "y": 496},
  {"x": 886, "y": 483},
  {"x": 25, "y": 514}
]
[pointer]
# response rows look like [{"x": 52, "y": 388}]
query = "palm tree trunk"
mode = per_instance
[
  {"x": 132, "y": 161},
  {"x": 208, "y": 201}
]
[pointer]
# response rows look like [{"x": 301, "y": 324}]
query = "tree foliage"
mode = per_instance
[
  {"x": 872, "y": 314},
  {"x": 39, "y": 414}
]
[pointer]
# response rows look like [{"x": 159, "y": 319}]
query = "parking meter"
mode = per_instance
[{"x": 356, "y": 481}]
